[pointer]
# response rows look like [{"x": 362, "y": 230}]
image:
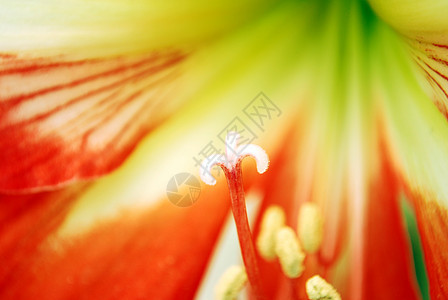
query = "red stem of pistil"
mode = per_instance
[{"x": 235, "y": 183}]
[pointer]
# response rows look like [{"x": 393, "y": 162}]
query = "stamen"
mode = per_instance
[
  {"x": 318, "y": 289},
  {"x": 273, "y": 220},
  {"x": 231, "y": 165},
  {"x": 231, "y": 283},
  {"x": 310, "y": 227},
  {"x": 289, "y": 252}
]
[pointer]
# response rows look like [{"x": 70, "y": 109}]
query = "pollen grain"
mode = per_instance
[
  {"x": 310, "y": 227},
  {"x": 273, "y": 220},
  {"x": 231, "y": 283},
  {"x": 318, "y": 289},
  {"x": 290, "y": 254}
]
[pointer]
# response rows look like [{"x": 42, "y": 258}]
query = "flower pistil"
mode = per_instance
[{"x": 231, "y": 165}]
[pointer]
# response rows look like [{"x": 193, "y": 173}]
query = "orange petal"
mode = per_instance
[
  {"x": 25, "y": 223},
  {"x": 388, "y": 271},
  {"x": 84, "y": 115},
  {"x": 432, "y": 220},
  {"x": 159, "y": 253}
]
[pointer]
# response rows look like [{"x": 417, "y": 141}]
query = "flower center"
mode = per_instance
[
  {"x": 275, "y": 239},
  {"x": 231, "y": 165}
]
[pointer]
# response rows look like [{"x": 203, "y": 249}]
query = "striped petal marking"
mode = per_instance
[{"x": 83, "y": 115}]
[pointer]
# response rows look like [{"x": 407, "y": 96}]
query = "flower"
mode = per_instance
[{"x": 102, "y": 102}]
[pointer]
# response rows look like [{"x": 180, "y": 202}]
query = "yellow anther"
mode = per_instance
[
  {"x": 290, "y": 254},
  {"x": 318, "y": 289},
  {"x": 273, "y": 220},
  {"x": 310, "y": 227},
  {"x": 231, "y": 283}
]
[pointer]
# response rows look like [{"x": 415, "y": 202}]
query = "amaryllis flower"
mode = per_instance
[{"x": 109, "y": 109}]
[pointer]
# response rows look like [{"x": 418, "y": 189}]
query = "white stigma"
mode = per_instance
[
  {"x": 234, "y": 154},
  {"x": 260, "y": 156},
  {"x": 207, "y": 164}
]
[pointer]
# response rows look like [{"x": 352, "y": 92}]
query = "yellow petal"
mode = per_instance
[
  {"x": 102, "y": 27},
  {"x": 425, "y": 19}
]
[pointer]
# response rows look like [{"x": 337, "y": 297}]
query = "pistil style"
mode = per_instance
[{"x": 231, "y": 165}]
